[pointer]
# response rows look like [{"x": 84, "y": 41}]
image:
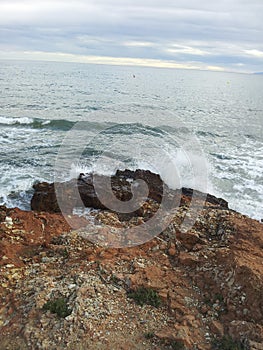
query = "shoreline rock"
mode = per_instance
[{"x": 81, "y": 191}]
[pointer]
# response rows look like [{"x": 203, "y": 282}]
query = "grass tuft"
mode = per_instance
[
  {"x": 144, "y": 296},
  {"x": 58, "y": 306}
]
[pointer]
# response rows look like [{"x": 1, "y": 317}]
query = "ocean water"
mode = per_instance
[{"x": 197, "y": 129}]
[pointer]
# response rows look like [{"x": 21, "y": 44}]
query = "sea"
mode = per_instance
[{"x": 198, "y": 129}]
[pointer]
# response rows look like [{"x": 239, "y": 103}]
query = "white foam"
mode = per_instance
[
  {"x": 77, "y": 168},
  {"x": 176, "y": 168},
  {"x": 104, "y": 167},
  {"x": 46, "y": 122},
  {"x": 13, "y": 121}
]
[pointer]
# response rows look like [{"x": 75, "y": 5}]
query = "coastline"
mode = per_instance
[{"x": 208, "y": 281}]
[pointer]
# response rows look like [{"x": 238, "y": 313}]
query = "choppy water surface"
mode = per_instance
[{"x": 135, "y": 119}]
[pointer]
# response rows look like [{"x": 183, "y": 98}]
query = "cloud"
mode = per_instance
[
  {"x": 254, "y": 53},
  {"x": 188, "y": 50},
  {"x": 214, "y": 33},
  {"x": 107, "y": 60},
  {"x": 138, "y": 44}
]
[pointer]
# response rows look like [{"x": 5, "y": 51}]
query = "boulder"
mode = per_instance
[
  {"x": 45, "y": 195},
  {"x": 97, "y": 191}
]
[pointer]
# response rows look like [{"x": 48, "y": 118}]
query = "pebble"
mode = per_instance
[{"x": 8, "y": 221}]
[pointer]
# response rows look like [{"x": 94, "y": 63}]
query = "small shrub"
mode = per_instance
[
  {"x": 219, "y": 297},
  {"x": 64, "y": 252},
  {"x": 216, "y": 297},
  {"x": 176, "y": 345},
  {"x": 149, "y": 335},
  {"x": 144, "y": 295},
  {"x": 58, "y": 306},
  {"x": 227, "y": 343},
  {"x": 114, "y": 280}
]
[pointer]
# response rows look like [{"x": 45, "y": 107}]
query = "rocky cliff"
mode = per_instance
[{"x": 200, "y": 289}]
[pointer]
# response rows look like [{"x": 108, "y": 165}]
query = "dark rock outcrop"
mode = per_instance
[
  {"x": 84, "y": 192},
  {"x": 44, "y": 198}
]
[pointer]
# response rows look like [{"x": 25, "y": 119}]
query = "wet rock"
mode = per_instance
[
  {"x": 84, "y": 191},
  {"x": 98, "y": 191},
  {"x": 3, "y": 213},
  {"x": 210, "y": 199},
  {"x": 44, "y": 198}
]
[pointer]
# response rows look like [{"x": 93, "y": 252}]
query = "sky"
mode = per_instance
[{"x": 224, "y": 35}]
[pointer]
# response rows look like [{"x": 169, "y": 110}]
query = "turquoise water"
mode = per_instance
[{"x": 135, "y": 119}]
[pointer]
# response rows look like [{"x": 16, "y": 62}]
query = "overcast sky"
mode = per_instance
[{"x": 206, "y": 34}]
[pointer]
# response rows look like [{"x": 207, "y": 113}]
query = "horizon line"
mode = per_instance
[{"x": 113, "y": 61}]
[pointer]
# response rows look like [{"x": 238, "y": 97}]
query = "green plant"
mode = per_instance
[
  {"x": 176, "y": 345},
  {"x": 219, "y": 297},
  {"x": 144, "y": 295},
  {"x": 58, "y": 306},
  {"x": 149, "y": 335},
  {"x": 217, "y": 303},
  {"x": 64, "y": 252},
  {"x": 210, "y": 301},
  {"x": 227, "y": 343},
  {"x": 114, "y": 280}
]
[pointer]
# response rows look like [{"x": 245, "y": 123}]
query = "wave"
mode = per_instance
[
  {"x": 221, "y": 156},
  {"x": 208, "y": 134},
  {"x": 133, "y": 129},
  {"x": 104, "y": 127},
  {"x": 20, "y": 199},
  {"x": 15, "y": 121},
  {"x": 51, "y": 124},
  {"x": 65, "y": 125},
  {"x": 37, "y": 123}
]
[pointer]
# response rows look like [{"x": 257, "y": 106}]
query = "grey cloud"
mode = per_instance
[{"x": 225, "y": 29}]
